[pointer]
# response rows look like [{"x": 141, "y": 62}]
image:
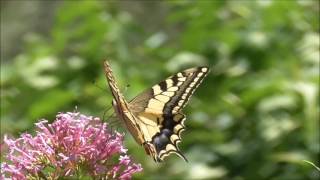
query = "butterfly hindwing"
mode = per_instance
[{"x": 166, "y": 141}]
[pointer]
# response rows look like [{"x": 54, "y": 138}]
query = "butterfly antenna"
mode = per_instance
[
  {"x": 126, "y": 88},
  {"x": 97, "y": 85}
]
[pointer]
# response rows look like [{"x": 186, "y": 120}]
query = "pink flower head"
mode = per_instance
[{"x": 73, "y": 144}]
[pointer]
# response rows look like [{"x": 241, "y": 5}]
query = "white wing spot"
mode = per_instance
[
  {"x": 173, "y": 88},
  {"x": 166, "y": 93},
  {"x": 180, "y": 75},
  {"x": 174, "y": 137},
  {"x": 169, "y": 82},
  {"x": 170, "y": 147},
  {"x": 156, "y": 89},
  {"x": 204, "y": 69},
  {"x": 154, "y": 104},
  {"x": 182, "y": 79},
  {"x": 177, "y": 128},
  {"x": 175, "y": 109},
  {"x": 162, "y": 98}
]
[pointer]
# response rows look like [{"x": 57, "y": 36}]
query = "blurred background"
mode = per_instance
[{"x": 256, "y": 116}]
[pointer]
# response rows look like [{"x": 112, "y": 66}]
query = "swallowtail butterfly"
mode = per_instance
[{"x": 154, "y": 118}]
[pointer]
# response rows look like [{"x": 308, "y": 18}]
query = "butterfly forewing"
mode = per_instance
[
  {"x": 121, "y": 106},
  {"x": 174, "y": 92}
]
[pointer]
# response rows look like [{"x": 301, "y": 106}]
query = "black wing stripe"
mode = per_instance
[
  {"x": 175, "y": 80},
  {"x": 163, "y": 85}
]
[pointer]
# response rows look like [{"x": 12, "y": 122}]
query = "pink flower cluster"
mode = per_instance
[{"x": 73, "y": 145}]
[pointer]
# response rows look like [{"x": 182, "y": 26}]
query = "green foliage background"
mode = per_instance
[{"x": 256, "y": 116}]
